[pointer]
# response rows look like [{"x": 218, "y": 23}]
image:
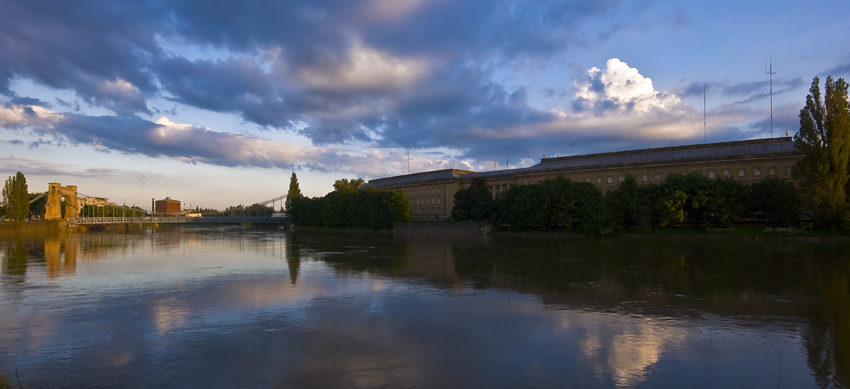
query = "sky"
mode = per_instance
[{"x": 216, "y": 103}]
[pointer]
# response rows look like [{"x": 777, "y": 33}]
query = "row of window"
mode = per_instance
[
  {"x": 428, "y": 210},
  {"x": 772, "y": 171},
  {"x": 416, "y": 192},
  {"x": 428, "y": 201}
]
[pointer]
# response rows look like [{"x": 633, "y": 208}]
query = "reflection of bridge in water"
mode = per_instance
[{"x": 173, "y": 220}]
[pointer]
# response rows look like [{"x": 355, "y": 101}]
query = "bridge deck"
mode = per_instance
[{"x": 174, "y": 220}]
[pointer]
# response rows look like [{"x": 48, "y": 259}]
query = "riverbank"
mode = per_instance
[{"x": 32, "y": 227}]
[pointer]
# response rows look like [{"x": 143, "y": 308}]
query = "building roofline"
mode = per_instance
[
  {"x": 671, "y": 148},
  {"x": 413, "y": 175}
]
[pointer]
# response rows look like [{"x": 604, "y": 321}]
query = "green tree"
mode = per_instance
[
  {"x": 294, "y": 193},
  {"x": 775, "y": 199},
  {"x": 626, "y": 208},
  {"x": 15, "y": 197},
  {"x": 473, "y": 203},
  {"x": 372, "y": 208},
  {"x": 824, "y": 139},
  {"x": 346, "y": 185}
]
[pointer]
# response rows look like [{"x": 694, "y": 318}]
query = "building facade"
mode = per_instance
[
  {"x": 167, "y": 206},
  {"x": 431, "y": 194}
]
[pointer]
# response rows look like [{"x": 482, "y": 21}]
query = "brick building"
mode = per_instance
[
  {"x": 167, "y": 206},
  {"x": 431, "y": 194}
]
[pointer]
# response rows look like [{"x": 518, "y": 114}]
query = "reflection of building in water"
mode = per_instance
[
  {"x": 433, "y": 261},
  {"x": 55, "y": 262}
]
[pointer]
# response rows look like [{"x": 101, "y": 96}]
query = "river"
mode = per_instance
[{"x": 235, "y": 306}]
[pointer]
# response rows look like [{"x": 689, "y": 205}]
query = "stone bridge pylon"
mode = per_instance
[{"x": 55, "y": 193}]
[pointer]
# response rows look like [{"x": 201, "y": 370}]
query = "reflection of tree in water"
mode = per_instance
[
  {"x": 828, "y": 336},
  {"x": 293, "y": 256},
  {"x": 15, "y": 257},
  {"x": 634, "y": 268},
  {"x": 344, "y": 251}
]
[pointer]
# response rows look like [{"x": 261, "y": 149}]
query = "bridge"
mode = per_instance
[{"x": 74, "y": 221}]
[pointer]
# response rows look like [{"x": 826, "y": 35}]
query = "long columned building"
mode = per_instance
[{"x": 431, "y": 194}]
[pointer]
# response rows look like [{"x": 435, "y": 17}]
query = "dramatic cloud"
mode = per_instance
[
  {"x": 344, "y": 69},
  {"x": 349, "y": 76},
  {"x": 619, "y": 89}
]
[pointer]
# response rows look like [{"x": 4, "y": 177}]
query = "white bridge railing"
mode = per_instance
[{"x": 174, "y": 220}]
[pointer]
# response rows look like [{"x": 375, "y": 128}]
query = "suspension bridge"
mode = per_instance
[{"x": 73, "y": 217}]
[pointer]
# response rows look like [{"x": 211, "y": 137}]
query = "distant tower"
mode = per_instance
[{"x": 770, "y": 72}]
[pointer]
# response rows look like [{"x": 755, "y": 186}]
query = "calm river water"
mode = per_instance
[{"x": 232, "y": 307}]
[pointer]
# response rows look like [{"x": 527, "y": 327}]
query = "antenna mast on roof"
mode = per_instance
[
  {"x": 408, "y": 161},
  {"x": 771, "y": 72},
  {"x": 704, "y": 137}
]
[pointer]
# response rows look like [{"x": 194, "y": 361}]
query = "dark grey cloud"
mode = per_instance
[
  {"x": 38, "y": 143},
  {"x": 29, "y": 101},
  {"x": 86, "y": 46},
  {"x": 842, "y": 70},
  {"x": 119, "y": 55},
  {"x": 747, "y": 91}
]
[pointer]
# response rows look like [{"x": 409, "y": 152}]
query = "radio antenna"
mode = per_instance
[
  {"x": 704, "y": 136},
  {"x": 770, "y": 72}
]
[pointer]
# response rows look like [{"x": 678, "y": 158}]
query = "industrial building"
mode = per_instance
[
  {"x": 166, "y": 206},
  {"x": 431, "y": 194}
]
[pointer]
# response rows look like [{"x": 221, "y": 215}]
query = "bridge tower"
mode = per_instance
[{"x": 55, "y": 193}]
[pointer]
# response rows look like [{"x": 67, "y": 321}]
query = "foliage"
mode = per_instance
[
  {"x": 681, "y": 199},
  {"x": 775, "y": 200},
  {"x": 554, "y": 204},
  {"x": 346, "y": 185},
  {"x": 627, "y": 208},
  {"x": 15, "y": 198},
  {"x": 474, "y": 203},
  {"x": 362, "y": 208},
  {"x": 824, "y": 139},
  {"x": 294, "y": 192}
]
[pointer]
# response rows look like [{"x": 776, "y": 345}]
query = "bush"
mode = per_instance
[{"x": 554, "y": 204}]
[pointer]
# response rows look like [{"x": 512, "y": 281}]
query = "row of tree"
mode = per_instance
[
  {"x": 692, "y": 199},
  {"x": 347, "y": 206}
]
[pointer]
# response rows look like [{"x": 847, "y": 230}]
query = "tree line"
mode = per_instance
[
  {"x": 681, "y": 199},
  {"x": 347, "y": 206}
]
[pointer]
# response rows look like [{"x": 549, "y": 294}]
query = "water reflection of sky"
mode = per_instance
[{"x": 219, "y": 308}]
